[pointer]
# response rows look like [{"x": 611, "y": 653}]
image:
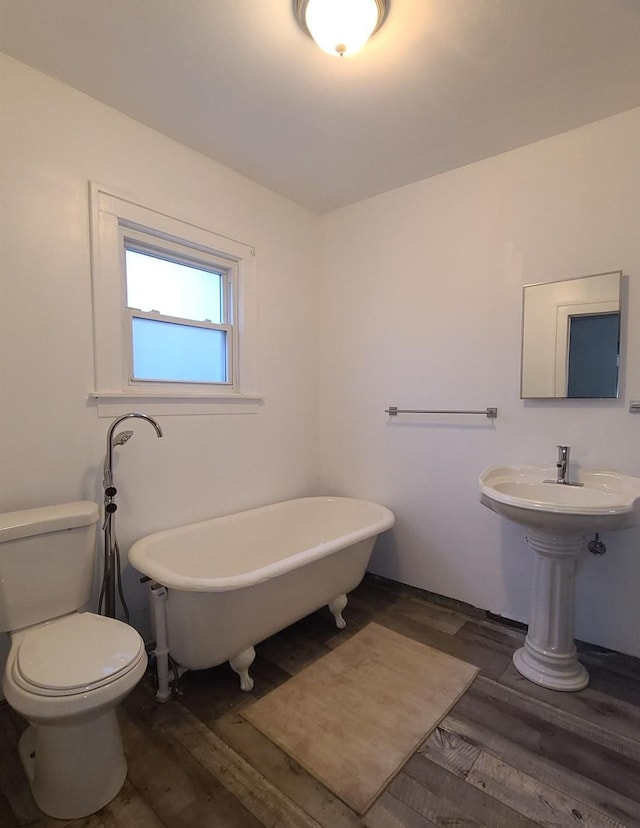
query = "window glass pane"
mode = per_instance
[
  {"x": 178, "y": 353},
  {"x": 173, "y": 289}
]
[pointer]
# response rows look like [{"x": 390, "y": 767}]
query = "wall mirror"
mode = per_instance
[{"x": 571, "y": 338}]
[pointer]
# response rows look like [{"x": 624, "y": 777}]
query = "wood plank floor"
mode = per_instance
[{"x": 509, "y": 755}]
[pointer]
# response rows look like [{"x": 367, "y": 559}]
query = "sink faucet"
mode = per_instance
[
  {"x": 563, "y": 468},
  {"x": 563, "y": 464}
]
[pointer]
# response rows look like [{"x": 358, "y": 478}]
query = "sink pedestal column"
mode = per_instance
[{"x": 549, "y": 655}]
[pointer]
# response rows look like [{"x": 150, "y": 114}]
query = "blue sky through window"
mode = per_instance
[{"x": 172, "y": 288}]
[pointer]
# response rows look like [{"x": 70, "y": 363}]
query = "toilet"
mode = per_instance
[{"x": 67, "y": 670}]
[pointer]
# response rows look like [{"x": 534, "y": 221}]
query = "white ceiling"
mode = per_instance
[{"x": 443, "y": 83}]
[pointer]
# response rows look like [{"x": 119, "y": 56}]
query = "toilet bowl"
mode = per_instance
[
  {"x": 66, "y": 677},
  {"x": 65, "y": 673}
]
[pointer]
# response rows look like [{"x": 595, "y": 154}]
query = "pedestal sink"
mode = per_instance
[{"x": 557, "y": 517}]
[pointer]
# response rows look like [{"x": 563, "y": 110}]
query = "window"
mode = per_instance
[
  {"x": 180, "y": 315},
  {"x": 174, "y": 308}
]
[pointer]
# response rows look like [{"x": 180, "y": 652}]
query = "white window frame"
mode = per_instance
[{"x": 114, "y": 218}]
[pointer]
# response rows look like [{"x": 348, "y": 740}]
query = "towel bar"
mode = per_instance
[{"x": 393, "y": 410}]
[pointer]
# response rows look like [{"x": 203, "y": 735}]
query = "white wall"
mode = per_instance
[
  {"x": 52, "y": 441},
  {"x": 421, "y": 308}
]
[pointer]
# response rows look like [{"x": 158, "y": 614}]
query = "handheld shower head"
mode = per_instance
[{"x": 119, "y": 440}]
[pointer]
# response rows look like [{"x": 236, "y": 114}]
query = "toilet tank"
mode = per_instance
[{"x": 47, "y": 559}]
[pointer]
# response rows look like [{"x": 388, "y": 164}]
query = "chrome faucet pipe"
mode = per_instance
[
  {"x": 563, "y": 463},
  {"x": 111, "y": 575},
  {"x": 108, "y": 460}
]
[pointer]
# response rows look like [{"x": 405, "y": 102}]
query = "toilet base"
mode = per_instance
[{"x": 74, "y": 769}]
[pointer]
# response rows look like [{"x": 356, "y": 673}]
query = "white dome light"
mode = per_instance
[{"x": 340, "y": 27}]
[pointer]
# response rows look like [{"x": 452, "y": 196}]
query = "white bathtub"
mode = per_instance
[{"x": 223, "y": 585}]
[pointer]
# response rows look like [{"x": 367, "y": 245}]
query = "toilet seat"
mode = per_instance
[{"x": 76, "y": 654}]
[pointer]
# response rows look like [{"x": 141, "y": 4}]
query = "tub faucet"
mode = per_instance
[
  {"x": 119, "y": 440},
  {"x": 111, "y": 577}
]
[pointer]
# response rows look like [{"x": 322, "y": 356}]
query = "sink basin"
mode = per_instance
[{"x": 605, "y": 502}]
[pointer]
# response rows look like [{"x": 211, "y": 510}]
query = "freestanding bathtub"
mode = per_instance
[{"x": 221, "y": 586}]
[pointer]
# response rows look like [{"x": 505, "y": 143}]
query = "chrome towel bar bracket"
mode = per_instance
[{"x": 393, "y": 410}]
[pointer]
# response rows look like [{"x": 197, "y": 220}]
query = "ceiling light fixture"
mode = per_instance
[{"x": 340, "y": 27}]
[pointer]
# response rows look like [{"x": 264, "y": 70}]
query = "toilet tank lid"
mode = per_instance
[{"x": 28, "y": 522}]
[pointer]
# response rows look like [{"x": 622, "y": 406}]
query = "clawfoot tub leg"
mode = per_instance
[
  {"x": 336, "y": 606},
  {"x": 241, "y": 664}
]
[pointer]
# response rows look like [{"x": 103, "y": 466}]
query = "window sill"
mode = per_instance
[{"x": 115, "y": 403}]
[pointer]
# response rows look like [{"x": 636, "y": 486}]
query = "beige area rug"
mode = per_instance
[{"x": 355, "y": 716}]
